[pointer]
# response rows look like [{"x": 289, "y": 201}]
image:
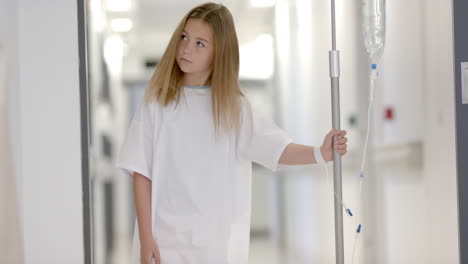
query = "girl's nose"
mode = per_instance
[{"x": 186, "y": 48}]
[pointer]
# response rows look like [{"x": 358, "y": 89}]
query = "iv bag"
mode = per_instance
[{"x": 373, "y": 27}]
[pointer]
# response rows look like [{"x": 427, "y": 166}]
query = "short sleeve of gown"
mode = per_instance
[
  {"x": 136, "y": 152},
  {"x": 260, "y": 139}
]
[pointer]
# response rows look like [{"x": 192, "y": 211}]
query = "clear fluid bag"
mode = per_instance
[{"x": 373, "y": 27}]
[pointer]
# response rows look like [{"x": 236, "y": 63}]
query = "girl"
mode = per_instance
[{"x": 190, "y": 146}]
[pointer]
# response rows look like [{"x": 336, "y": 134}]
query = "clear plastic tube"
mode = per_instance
[
  {"x": 373, "y": 28},
  {"x": 357, "y": 218}
]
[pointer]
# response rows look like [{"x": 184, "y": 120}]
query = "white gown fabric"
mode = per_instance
[{"x": 201, "y": 190}]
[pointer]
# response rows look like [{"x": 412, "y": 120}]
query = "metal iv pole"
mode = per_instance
[{"x": 334, "y": 57}]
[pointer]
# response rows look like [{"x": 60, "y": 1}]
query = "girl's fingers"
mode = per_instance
[
  {"x": 340, "y": 147},
  {"x": 341, "y": 150},
  {"x": 338, "y": 133},
  {"x": 156, "y": 259},
  {"x": 342, "y": 141},
  {"x": 341, "y": 133}
]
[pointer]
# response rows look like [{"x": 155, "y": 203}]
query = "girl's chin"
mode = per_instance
[
  {"x": 186, "y": 69},
  {"x": 183, "y": 68}
]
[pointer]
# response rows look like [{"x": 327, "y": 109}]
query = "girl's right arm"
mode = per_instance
[{"x": 142, "y": 197}]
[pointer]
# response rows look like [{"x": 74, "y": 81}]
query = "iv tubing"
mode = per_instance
[{"x": 372, "y": 79}]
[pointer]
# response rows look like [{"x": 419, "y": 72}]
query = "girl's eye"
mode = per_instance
[
  {"x": 201, "y": 44},
  {"x": 183, "y": 37}
]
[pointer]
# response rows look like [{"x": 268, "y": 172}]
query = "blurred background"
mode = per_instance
[{"x": 409, "y": 206}]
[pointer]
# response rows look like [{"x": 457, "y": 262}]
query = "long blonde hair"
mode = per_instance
[{"x": 165, "y": 84}]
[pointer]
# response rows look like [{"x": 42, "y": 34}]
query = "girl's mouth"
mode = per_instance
[{"x": 186, "y": 60}]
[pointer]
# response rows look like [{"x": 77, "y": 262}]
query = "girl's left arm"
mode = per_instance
[{"x": 296, "y": 154}]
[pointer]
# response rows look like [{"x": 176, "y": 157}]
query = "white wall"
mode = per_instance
[
  {"x": 440, "y": 193},
  {"x": 45, "y": 125}
]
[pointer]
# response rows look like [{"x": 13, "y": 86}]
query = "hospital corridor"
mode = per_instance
[{"x": 74, "y": 76}]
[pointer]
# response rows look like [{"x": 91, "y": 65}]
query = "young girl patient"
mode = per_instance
[{"x": 190, "y": 147}]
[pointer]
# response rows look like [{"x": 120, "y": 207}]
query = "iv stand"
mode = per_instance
[{"x": 334, "y": 57}]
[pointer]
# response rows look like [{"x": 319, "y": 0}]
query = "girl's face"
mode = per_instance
[{"x": 196, "y": 48}]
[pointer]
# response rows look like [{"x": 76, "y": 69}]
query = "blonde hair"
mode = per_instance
[{"x": 165, "y": 84}]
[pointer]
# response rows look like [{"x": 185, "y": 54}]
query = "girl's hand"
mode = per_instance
[
  {"x": 339, "y": 145},
  {"x": 149, "y": 252}
]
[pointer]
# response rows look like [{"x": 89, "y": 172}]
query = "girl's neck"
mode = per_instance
[{"x": 195, "y": 80}]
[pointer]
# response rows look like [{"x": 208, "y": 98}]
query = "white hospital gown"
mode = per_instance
[{"x": 201, "y": 190}]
